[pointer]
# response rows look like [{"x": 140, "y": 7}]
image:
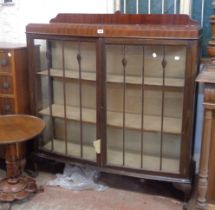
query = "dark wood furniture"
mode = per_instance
[
  {"x": 206, "y": 181},
  {"x": 14, "y": 94},
  {"x": 15, "y": 129},
  {"x": 117, "y": 91},
  {"x": 211, "y": 43}
]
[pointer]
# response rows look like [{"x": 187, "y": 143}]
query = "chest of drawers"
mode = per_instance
[
  {"x": 14, "y": 93},
  {"x": 13, "y": 79}
]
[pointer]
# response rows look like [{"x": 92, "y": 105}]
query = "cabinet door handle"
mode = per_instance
[
  {"x": 4, "y": 62},
  {"x": 5, "y": 85}
]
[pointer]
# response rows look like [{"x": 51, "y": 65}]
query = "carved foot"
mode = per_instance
[{"x": 18, "y": 190}]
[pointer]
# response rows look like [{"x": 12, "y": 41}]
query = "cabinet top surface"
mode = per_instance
[
  {"x": 18, "y": 128},
  {"x": 207, "y": 75},
  {"x": 119, "y": 25},
  {"x": 11, "y": 46}
]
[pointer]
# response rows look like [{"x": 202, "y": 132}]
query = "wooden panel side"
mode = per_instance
[
  {"x": 116, "y": 30},
  {"x": 124, "y": 19},
  {"x": 189, "y": 107},
  {"x": 21, "y": 80},
  {"x": 211, "y": 171}
]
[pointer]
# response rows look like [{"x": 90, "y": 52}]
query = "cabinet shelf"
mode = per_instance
[
  {"x": 115, "y": 119},
  {"x": 150, "y": 162},
  {"x": 73, "y": 148},
  {"x": 112, "y": 78},
  {"x": 89, "y": 76}
]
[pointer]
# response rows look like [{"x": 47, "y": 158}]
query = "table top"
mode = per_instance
[{"x": 19, "y": 128}]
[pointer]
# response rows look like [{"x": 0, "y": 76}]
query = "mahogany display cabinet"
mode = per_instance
[{"x": 116, "y": 91}]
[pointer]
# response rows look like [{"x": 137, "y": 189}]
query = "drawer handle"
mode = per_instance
[
  {"x": 4, "y": 62},
  {"x": 6, "y": 85}
]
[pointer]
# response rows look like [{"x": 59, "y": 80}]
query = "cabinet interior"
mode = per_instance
[{"x": 144, "y": 88}]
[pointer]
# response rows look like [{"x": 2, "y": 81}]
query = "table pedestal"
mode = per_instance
[
  {"x": 16, "y": 129},
  {"x": 15, "y": 186}
]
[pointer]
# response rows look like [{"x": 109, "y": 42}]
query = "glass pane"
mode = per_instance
[
  {"x": 131, "y": 7},
  {"x": 169, "y": 6},
  {"x": 133, "y": 108},
  {"x": 42, "y": 95},
  {"x": 73, "y": 114},
  {"x": 152, "y": 130},
  {"x": 123, "y": 69},
  {"x": 114, "y": 123},
  {"x": 68, "y": 90},
  {"x": 143, "y": 7},
  {"x": 175, "y": 65},
  {"x": 133, "y": 113},
  {"x": 88, "y": 100},
  {"x": 156, "y": 7},
  {"x": 175, "y": 57},
  {"x": 153, "y": 71},
  {"x": 173, "y": 109},
  {"x": 114, "y": 105},
  {"x": 144, "y": 115}
]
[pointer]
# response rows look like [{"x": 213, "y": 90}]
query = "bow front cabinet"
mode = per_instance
[{"x": 116, "y": 91}]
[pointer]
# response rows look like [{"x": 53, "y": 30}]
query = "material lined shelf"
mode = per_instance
[
  {"x": 73, "y": 149},
  {"x": 114, "y": 157},
  {"x": 112, "y": 78},
  {"x": 115, "y": 119}
]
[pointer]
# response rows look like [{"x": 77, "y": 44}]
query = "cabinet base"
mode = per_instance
[{"x": 55, "y": 163}]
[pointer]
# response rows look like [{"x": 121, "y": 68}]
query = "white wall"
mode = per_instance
[{"x": 13, "y": 19}]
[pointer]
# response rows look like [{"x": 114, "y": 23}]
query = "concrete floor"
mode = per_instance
[{"x": 123, "y": 194}]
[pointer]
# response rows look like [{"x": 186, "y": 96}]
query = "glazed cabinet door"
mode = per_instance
[
  {"x": 65, "y": 95},
  {"x": 144, "y": 106}
]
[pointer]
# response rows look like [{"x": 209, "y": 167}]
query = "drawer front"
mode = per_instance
[
  {"x": 5, "y": 61},
  {"x": 6, "y": 85},
  {"x": 7, "y": 106}
]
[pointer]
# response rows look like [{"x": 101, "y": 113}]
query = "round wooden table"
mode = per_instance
[{"x": 15, "y": 129}]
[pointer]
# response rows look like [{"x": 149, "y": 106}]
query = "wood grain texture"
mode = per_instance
[
  {"x": 119, "y": 25},
  {"x": 14, "y": 91},
  {"x": 206, "y": 181},
  {"x": 211, "y": 170},
  {"x": 15, "y": 129},
  {"x": 14, "y": 78},
  {"x": 124, "y": 19},
  {"x": 115, "y": 31},
  {"x": 211, "y": 43},
  {"x": 205, "y": 189},
  {"x": 19, "y": 128}
]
